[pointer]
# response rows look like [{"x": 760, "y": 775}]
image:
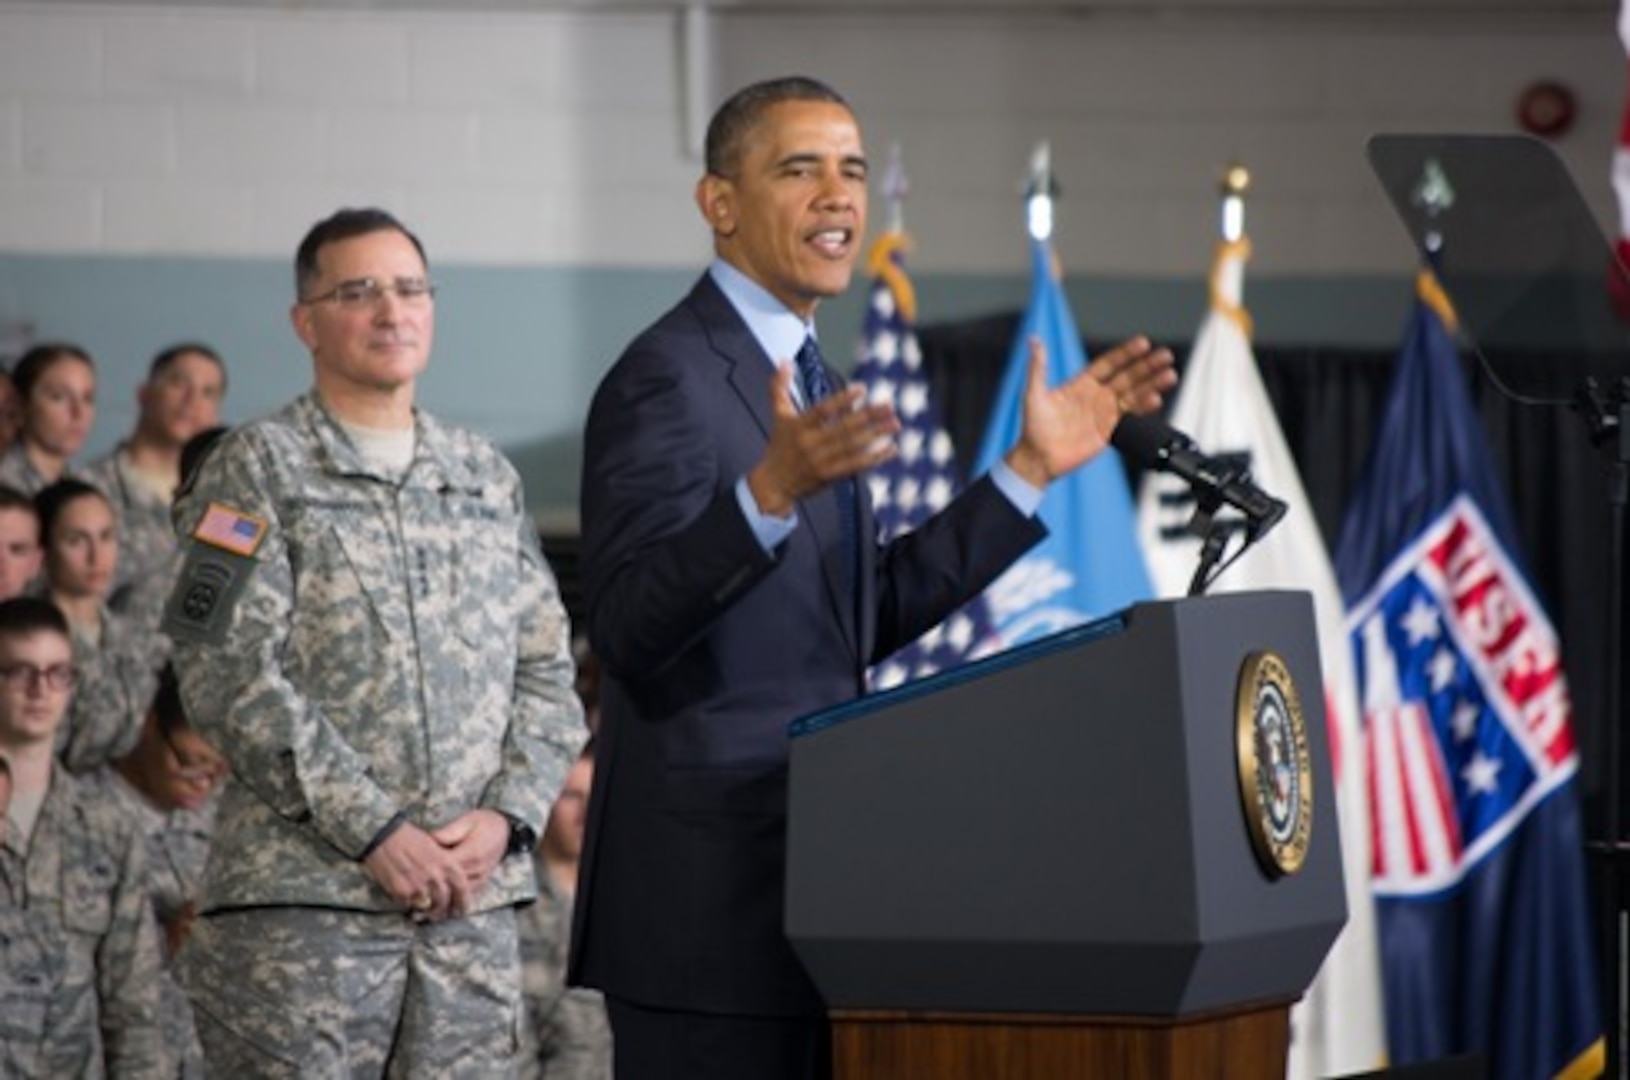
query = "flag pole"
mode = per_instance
[
  {"x": 1226, "y": 276},
  {"x": 1039, "y": 192},
  {"x": 895, "y": 188},
  {"x": 1236, "y": 181}
]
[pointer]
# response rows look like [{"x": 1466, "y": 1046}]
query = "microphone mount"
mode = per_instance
[{"x": 1216, "y": 483}]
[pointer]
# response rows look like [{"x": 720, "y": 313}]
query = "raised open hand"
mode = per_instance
[
  {"x": 830, "y": 441},
  {"x": 1066, "y": 426}
]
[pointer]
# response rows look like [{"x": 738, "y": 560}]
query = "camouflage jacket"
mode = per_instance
[
  {"x": 85, "y": 873},
  {"x": 361, "y": 647},
  {"x": 117, "y": 678},
  {"x": 177, "y": 849},
  {"x": 16, "y": 471},
  {"x": 566, "y": 1034},
  {"x": 147, "y": 544},
  {"x": 40, "y": 1008}
]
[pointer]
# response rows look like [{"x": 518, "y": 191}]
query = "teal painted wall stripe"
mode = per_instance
[{"x": 520, "y": 349}]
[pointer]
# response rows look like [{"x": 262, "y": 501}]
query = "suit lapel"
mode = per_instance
[{"x": 750, "y": 377}]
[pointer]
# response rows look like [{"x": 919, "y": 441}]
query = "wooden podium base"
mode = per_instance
[{"x": 1239, "y": 1044}]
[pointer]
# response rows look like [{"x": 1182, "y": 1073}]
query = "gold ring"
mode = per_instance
[
  {"x": 1122, "y": 404},
  {"x": 421, "y": 902}
]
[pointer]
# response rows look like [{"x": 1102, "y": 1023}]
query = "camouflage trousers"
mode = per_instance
[{"x": 313, "y": 992}]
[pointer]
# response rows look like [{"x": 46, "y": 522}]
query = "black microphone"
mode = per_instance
[{"x": 1154, "y": 444}]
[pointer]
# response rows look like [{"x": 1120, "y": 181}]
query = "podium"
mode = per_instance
[{"x": 1056, "y": 862}]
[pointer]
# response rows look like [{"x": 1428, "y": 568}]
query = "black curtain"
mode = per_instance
[{"x": 1329, "y": 402}]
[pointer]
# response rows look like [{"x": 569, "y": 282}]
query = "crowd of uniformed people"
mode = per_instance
[{"x": 107, "y": 793}]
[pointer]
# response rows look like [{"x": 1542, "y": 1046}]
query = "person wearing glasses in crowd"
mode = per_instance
[
  {"x": 366, "y": 629},
  {"x": 180, "y": 397},
  {"x": 71, "y": 857},
  {"x": 56, "y": 385},
  {"x": 117, "y": 659},
  {"x": 167, "y": 786}
]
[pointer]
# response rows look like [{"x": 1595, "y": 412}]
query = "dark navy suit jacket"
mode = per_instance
[{"x": 711, "y": 647}]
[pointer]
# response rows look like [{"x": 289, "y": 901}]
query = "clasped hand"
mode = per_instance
[{"x": 438, "y": 875}]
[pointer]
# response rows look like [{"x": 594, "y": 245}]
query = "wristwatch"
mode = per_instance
[{"x": 522, "y": 837}]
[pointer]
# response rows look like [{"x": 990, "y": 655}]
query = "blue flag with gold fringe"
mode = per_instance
[{"x": 1483, "y": 918}]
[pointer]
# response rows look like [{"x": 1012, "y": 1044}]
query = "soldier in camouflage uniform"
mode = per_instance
[
  {"x": 167, "y": 786},
  {"x": 19, "y": 542},
  {"x": 567, "y": 1035},
  {"x": 365, "y": 627},
  {"x": 56, "y": 390},
  {"x": 181, "y": 397},
  {"x": 38, "y": 1005},
  {"x": 69, "y": 858},
  {"x": 117, "y": 661},
  {"x": 11, "y": 410}
]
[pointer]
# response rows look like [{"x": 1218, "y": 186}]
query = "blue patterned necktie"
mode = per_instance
[{"x": 812, "y": 378}]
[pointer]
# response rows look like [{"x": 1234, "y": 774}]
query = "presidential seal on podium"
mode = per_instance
[{"x": 1275, "y": 769}]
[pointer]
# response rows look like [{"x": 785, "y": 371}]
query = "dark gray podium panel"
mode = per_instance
[{"x": 1059, "y": 828}]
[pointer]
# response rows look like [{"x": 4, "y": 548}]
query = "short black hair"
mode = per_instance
[
  {"x": 167, "y": 708},
  {"x": 170, "y": 354},
  {"x": 728, "y": 130},
  {"x": 24, "y": 615},
  {"x": 12, "y": 499},
  {"x": 37, "y": 360},
  {"x": 344, "y": 224},
  {"x": 50, "y": 501},
  {"x": 195, "y": 450}
]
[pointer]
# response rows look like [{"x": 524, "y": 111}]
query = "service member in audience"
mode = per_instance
[
  {"x": 11, "y": 411},
  {"x": 69, "y": 856},
  {"x": 167, "y": 784},
  {"x": 56, "y": 386},
  {"x": 180, "y": 397},
  {"x": 20, "y": 551},
  {"x": 366, "y": 629},
  {"x": 567, "y": 1035},
  {"x": 39, "y": 1006},
  {"x": 117, "y": 660}
]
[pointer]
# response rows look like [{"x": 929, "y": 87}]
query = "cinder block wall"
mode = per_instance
[{"x": 159, "y": 163}]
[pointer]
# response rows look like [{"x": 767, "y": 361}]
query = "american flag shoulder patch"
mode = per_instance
[{"x": 230, "y": 530}]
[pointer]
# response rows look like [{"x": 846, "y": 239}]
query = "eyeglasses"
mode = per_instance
[
  {"x": 359, "y": 293},
  {"x": 24, "y": 677}
]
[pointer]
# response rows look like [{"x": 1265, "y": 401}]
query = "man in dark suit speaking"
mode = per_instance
[{"x": 733, "y": 583}]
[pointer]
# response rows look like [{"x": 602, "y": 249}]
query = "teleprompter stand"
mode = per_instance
[{"x": 1506, "y": 232}]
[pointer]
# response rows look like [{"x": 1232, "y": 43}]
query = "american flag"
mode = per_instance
[
  {"x": 229, "y": 529},
  {"x": 924, "y": 477}
]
